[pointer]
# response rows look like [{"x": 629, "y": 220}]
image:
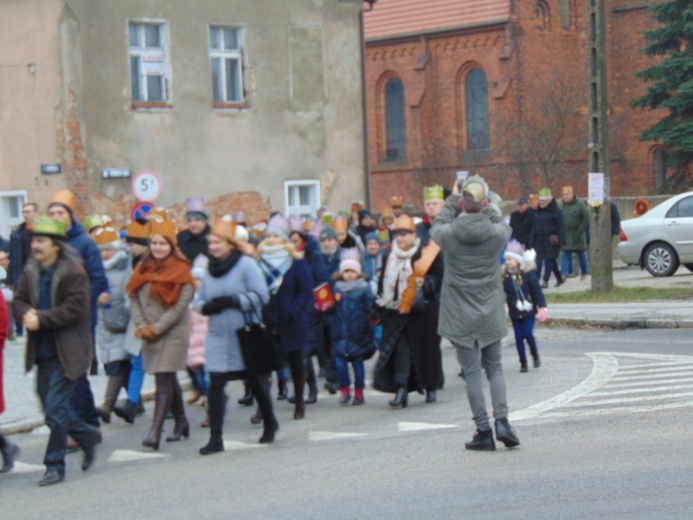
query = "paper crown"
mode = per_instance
[
  {"x": 476, "y": 188},
  {"x": 515, "y": 250},
  {"x": 44, "y": 225},
  {"x": 396, "y": 201},
  {"x": 326, "y": 217},
  {"x": 356, "y": 206},
  {"x": 195, "y": 205},
  {"x": 137, "y": 230},
  {"x": 159, "y": 213},
  {"x": 296, "y": 223},
  {"x": 533, "y": 197},
  {"x": 308, "y": 225},
  {"x": 93, "y": 221},
  {"x": 106, "y": 236},
  {"x": 225, "y": 228},
  {"x": 279, "y": 226},
  {"x": 239, "y": 217},
  {"x": 405, "y": 223},
  {"x": 64, "y": 197},
  {"x": 351, "y": 253},
  {"x": 340, "y": 224},
  {"x": 545, "y": 193},
  {"x": 387, "y": 215},
  {"x": 433, "y": 193},
  {"x": 165, "y": 228}
]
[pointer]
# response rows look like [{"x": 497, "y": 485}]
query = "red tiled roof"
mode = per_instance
[{"x": 401, "y": 17}]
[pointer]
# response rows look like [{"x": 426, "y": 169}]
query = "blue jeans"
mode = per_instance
[
  {"x": 524, "y": 330},
  {"x": 343, "y": 378},
  {"x": 55, "y": 390},
  {"x": 201, "y": 379},
  {"x": 567, "y": 262},
  {"x": 549, "y": 266},
  {"x": 82, "y": 401},
  {"x": 136, "y": 379}
]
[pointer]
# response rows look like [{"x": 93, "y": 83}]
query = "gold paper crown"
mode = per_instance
[
  {"x": 93, "y": 221},
  {"x": 225, "y": 228},
  {"x": 340, "y": 224},
  {"x": 64, "y": 197},
  {"x": 44, "y": 225},
  {"x": 356, "y": 206},
  {"x": 165, "y": 228},
  {"x": 433, "y": 193},
  {"x": 106, "y": 236},
  {"x": 476, "y": 188},
  {"x": 137, "y": 230},
  {"x": 545, "y": 193},
  {"x": 387, "y": 214},
  {"x": 405, "y": 223},
  {"x": 396, "y": 201}
]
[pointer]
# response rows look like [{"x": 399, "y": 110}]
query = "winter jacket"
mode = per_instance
[
  {"x": 577, "y": 221},
  {"x": 193, "y": 245},
  {"x": 471, "y": 307},
  {"x": 521, "y": 225},
  {"x": 245, "y": 279},
  {"x": 352, "y": 334},
  {"x": 199, "y": 325},
  {"x": 68, "y": 316},
  {"x": 288, "y": 309},
  {"x": 531, "y": 290},
  {"x": 4, "y": 326},
  {"x": 548, "y": 222},
  {"x": 112, "y": 344},
  {"x": 168, "y": 351},
  {"x": 322, "y": 270},
  {"x": 372, "y": 267},
  {"x": 77, "y": 238},
  {"x": 20, "y": 252}
]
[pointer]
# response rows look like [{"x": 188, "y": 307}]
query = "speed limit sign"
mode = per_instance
[{"x": 147, "y": 185}]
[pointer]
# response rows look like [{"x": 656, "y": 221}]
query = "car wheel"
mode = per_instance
[
  {"x": 661, "y": 260},
  {"x": 689, "y": 267}
]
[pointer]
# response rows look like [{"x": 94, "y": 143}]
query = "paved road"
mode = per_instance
[{"x": 604, "y": 424}]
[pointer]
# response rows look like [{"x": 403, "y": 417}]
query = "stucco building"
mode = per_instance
[
  {"x": 250, "y": 104},
  {"x": 499, "y": 88}
]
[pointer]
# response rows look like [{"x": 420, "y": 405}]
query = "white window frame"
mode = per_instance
[
  {"x": 158, "y": 59},
  {"x": 305, "y": 210},
  {"x": 8, "y": 222},
  {"x": 224, "y": 54}
]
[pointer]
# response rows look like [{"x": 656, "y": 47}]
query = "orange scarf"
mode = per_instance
[{"x": 166, "y": 279}]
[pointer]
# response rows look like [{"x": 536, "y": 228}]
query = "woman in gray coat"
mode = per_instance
[
  {"x": 232, "y": 285},
  {"x": 161, "y": 289}
]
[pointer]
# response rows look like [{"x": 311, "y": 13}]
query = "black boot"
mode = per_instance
[
  {"x": 127, "y": 412},
  {"x": 247, "y": 399},
  {"x": 162, "y": 403},
  {"x": 215, "y": 445},
  {"x": 312, "y": 394},
  {"x": 140, "y": 407},
  {"x": 431, "y": 396},
  {"x": 9, "y": 454},
  {"x": 523, "y": 366},
  {"x": 537, "y": 361},
  {"x": 506, "y": 434},
  {"x": 257, "y": 418},
  {"x": 401, "y": 399},
  {"x": 282, "y": 393},
  {"x": 482, "y": 441},
  {"x": 182, "y": 426},
  {"x": 271, "y": 427}
]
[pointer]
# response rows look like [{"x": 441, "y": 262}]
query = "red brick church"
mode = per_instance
[{"x": 499, "y": 88}]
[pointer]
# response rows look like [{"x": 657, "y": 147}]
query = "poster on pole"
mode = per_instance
[{"x": 595, "y": 189}]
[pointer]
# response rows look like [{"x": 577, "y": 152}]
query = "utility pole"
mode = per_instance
[{"x": 600, "y": 221}]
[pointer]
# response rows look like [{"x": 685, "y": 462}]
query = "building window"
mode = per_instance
[
  {"x": 150, "y": 68},
  {"x": 226, "y": 58},
  {"x": 301, "y": 198},
  {"x": 11, "y": 203},
  {"x": 542, "y": 15},
  {"x": 659, "y": 167},
  {"x": 565, "y": 14},
  {"x": 476, "y": 97},
  {"x": 395, "y": 123}
]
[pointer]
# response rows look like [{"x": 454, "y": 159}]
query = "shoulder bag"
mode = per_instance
[{"x": 261, "y": 350}]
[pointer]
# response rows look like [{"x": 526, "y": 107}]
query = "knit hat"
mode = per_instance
[
  {"x": 327, "y": 232},
  {"x": 107, "y": 238},
  {"x": 433, "y": 193},
  {"x": 516, "y": 251},
  {"x": 522, "y": 200},
  {"x": 46, "y": 226},
  {"x": 405, "y": 223},
  {"x": 363, "y": 213},
  {"x": 65, "y": 198},
  {"x": 371, "y": 236},
  {"x": 279, "y": 226},
  {"x": 350, "y": 264},
  {"x": 137, "y": 233},
  {"x": 195, "y": 208},
  {"x": 165, "y": 228},
  {"x": 545, "y": 194}
]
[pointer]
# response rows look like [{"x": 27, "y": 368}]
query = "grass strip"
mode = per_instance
[{"x": 620, "y": 295}]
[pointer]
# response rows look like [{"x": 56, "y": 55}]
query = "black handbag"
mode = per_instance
[{"x": 260, "y": 347}]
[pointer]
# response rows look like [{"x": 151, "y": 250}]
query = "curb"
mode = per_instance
[{"x": 622, "y": 324}]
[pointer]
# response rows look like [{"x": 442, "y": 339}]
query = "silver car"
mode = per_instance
[{"x": 662, "y": 238}]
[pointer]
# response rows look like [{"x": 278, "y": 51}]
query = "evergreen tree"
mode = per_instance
[{"x": 671, "y": 81}]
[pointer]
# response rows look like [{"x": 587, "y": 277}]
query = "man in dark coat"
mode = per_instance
[
  {"x": 52, "y": 300},
  {"x": 547, "y": 236},
  {"x": 367, "y": 224},
  {"x": 577, "y": 222},
  {"x": 20, "y": 249},
  {"x": 521, "y": 221},
  {"x": 410, "y": 356}
]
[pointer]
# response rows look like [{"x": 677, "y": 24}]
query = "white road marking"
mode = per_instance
[
  {"x": 622, "y": 409},
  {"x": 420, "y": 426},
  {"x": 132, "y": 455},
  {"x": 23, "y": 467},
  {"x": 641, "y": 390},
  {"x": 236, "y": 445},
  {"x": 600, "y": 402},
  {"x": 644, "y": 384},
  {"x": 647, "y": 372},
  {"x": 328, "y": 436}
]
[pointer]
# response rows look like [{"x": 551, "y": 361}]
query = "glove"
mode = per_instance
[
  {"x": 228, "y": 302},
  {"x": 211, "y": 307},
  {"x": 148, "y": 333},
  {"x": 542, "y": 315}
]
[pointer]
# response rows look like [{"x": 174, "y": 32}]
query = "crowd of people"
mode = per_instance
[{"x": 153, "y": 299}]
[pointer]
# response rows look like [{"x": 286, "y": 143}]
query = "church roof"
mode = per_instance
[{"x": 392, "y": 18}]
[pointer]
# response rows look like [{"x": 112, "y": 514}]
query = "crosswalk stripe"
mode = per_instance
[
  {"x": 631, "y": 368},
  {"x": 642, "y": 384},
  {"x": 645, "y": 371},
  {"x": 132, "y": 455},
  {"x": 328, "y": 436},
  {"x": 609, "y": 411},
  {"x": 420, "y": 426},
  {"x": 23, "y": 467},
  {"x": 600, "y": 402},
  {"x": 643, "y": 377},
  {"x": 237, "y": 445},
  {"x": 640, "y": 390}
]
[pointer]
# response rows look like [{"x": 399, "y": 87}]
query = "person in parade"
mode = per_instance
[
  {"x": 366, "y": 224},
  {"x": 521, "y": 221},
  {"x": 397, "y": 203},
  {"x": 524, "y": 297},
  {"x": 547, "y": 237},
  {"x": 20, "y": 252},
  {"x": 232, "y": 285},
  {"x": 52, "y": 300},
  {"x": 410, "y": 358},
  {"x": 472, "y": 316},
  {"x": 8, "y": 449},
  {"x": 577, "y": 224},
  {"x": 387, "y": 224},
  {"x": 199, "y": 326},
  {"x": 346, "y": 238},
  {"x": 160, "y": 289}
]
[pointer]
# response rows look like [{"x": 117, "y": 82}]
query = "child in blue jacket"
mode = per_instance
[
  {"x": 524, "y": 297},
  {"x": 352, "y": 336}
]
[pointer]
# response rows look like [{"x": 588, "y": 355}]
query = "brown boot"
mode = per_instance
[
  {"x": 182, "y": 427},
  {"x": 162, "y": 402},
  {"x": 112, "y": 389}
]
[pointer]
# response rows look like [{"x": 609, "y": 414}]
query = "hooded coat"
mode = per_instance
[
  {"x": 472, "y": 298},
  {"x": 548, "y": 222},
  {"x": 112, "y": 344},
  {"x": 352, "y": 334},
  {"x": 577, "y": 221}
]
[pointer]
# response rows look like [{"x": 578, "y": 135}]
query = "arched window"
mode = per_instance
[
  {"x": 395, "y": 124},
  {"x": 659, "y": 167},
  {"x": 476, "y": 97},
  {"x": 565, "y": 14},
  {"x": 542, "y": 15}
]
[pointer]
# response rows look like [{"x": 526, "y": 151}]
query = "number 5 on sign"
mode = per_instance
[{"x": 147, "y": 186}]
